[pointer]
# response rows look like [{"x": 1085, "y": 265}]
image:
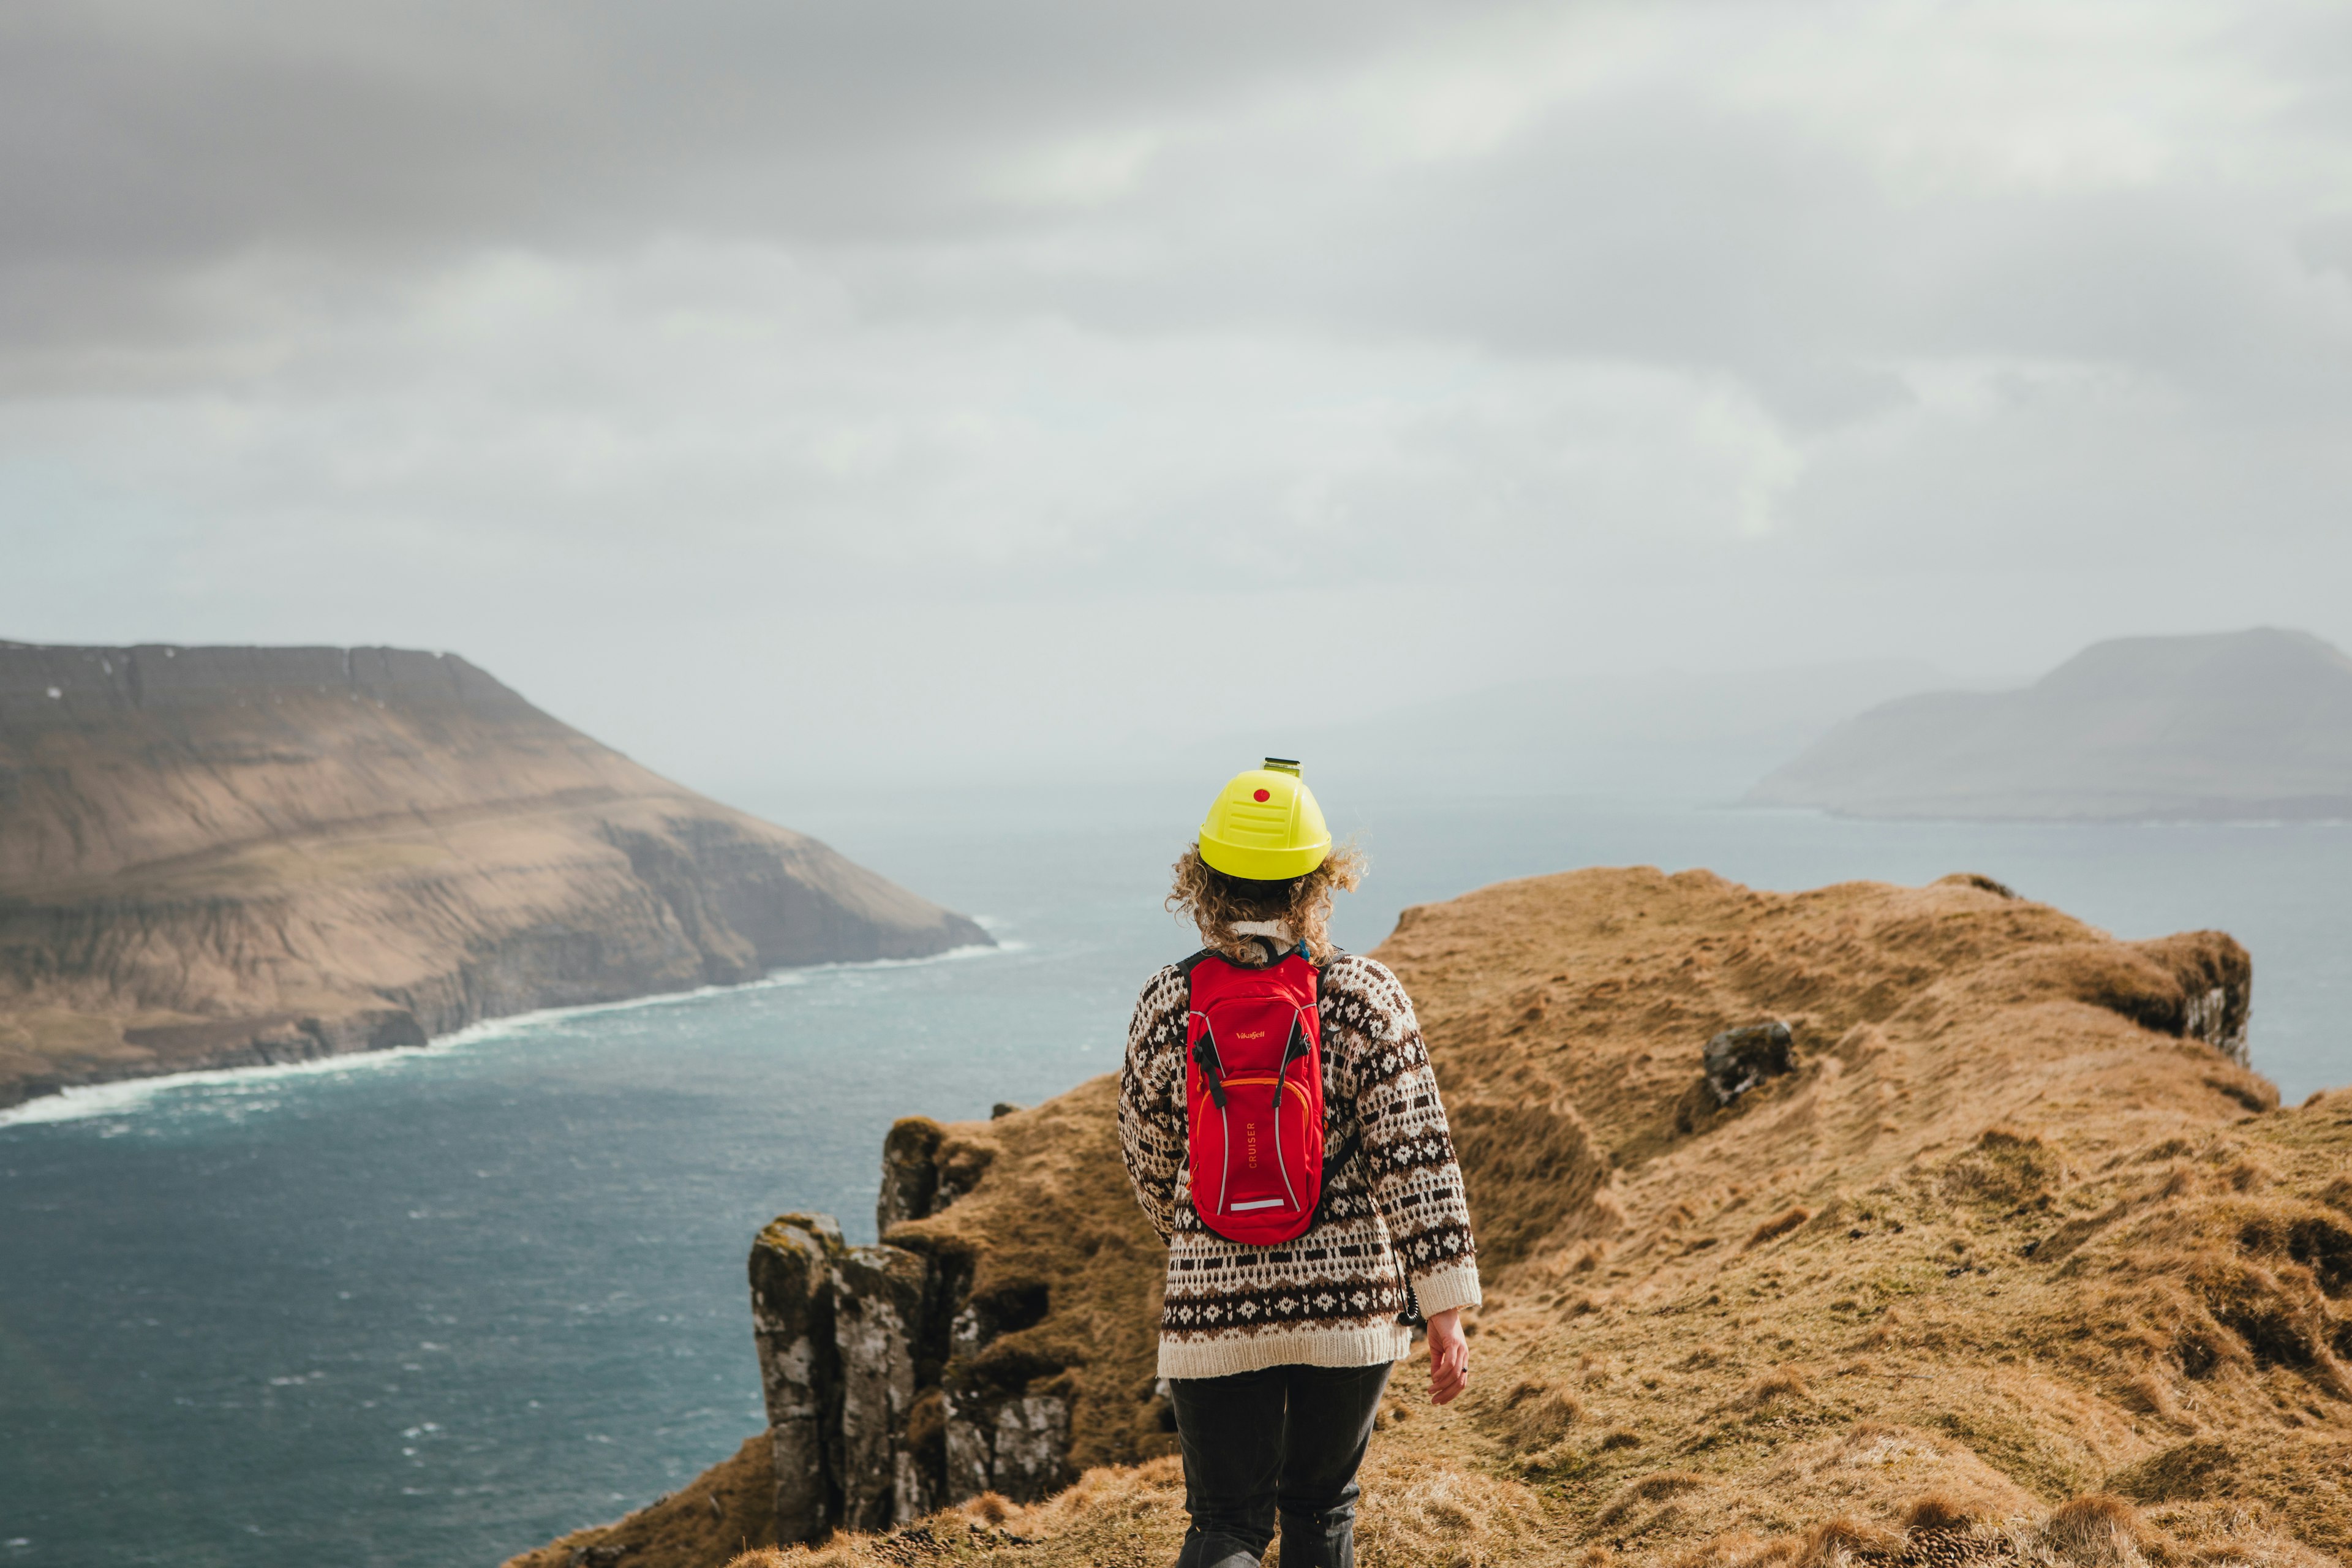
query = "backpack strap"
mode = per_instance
[
  {"x": 1204, "y": 1052},
  {"x": 1184, "y": 966}
]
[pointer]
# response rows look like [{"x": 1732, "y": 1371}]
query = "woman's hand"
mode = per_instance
[{"x": 1449, "y": 1357}]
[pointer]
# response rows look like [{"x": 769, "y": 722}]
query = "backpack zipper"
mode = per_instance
[
  {"x": 1204, "y": 1051},
  {"x": 1292, "y": 1049}
]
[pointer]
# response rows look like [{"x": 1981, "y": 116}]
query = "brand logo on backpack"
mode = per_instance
[{"x": 1254, "y": 1097}]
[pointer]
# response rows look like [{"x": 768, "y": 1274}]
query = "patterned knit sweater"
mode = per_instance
[{"x": 1336, "y": 1296}]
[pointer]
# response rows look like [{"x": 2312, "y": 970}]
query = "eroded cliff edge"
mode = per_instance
[
  {"x": 214, "y": 856},
  {"x": 2001, "y": 1254}
]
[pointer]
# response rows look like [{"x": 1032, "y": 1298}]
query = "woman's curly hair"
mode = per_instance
[{"x": 1216, "y": 901}]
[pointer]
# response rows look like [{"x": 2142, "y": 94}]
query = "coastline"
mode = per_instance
[{"x": 122, "y": 1096}]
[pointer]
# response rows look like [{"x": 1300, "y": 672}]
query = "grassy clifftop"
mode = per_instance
[{"x": 2016, "y": 1263}]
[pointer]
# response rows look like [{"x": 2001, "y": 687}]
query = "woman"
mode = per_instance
[{"x": 1275, "y": 1352}]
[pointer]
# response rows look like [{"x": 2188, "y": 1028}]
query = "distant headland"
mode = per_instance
[
  {"x": 216, "y": 857},
  {"x": 2237, "y": 726}
]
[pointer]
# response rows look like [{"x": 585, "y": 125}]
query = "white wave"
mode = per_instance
[
  {"x": 127, "y": 1095},
  {"x": 973, "y": 950},
  {"x": 85, "y": 1102}
]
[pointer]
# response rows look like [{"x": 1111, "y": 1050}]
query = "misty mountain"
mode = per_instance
[
  {"x": 2252, "y": 725},
  {"x": 1691, "y": 736}
]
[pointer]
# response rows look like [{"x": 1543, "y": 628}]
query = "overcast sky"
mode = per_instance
[{"x": 761, "y": 384}]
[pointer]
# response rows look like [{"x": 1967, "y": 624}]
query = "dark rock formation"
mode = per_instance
[
  {"x": 872, "y": 1361},
  {"x": 892, "y": 1387},
  {"x": 2215, "y": 997},
  {"x": 218, "y": 856},
  {"x": 1739, "y": 1059},
  {"x": 910, "y": 1176},
  {"x": 881, "y": 1302},
  {"x": 2244, "y": 725},
  {"x": 800, "y": 1366},
  {"x": 843, "y": 1334}
]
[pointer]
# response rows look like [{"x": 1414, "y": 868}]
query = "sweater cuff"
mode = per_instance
[{"x": 1442, "y": 1289}]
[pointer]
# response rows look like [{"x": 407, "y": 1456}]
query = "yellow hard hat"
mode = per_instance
[{"x": 1264, "y": 825}]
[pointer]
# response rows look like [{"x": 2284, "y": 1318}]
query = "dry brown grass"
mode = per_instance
[
  {"x": 1781, "y": 1382},
  {"x": 1936, "y": 1514},
  {"x": 1423, "y": 1510},
  {"x": 1841, "y": 1539},
  {"x": 2097, "y": 1530},
  {"x": 1118, "y": 1516},
  {"x": 2005, "y": 1167},
  {"x": 1419, "y": 1513},
  {"x": 1774, "y": 1229},
  {"x": 1996, "y": 1250},
  {"x": 683, "y": 1527},
  {"x": 1656, "y": 1486},
  {"x": 1535, "y": 1415}
]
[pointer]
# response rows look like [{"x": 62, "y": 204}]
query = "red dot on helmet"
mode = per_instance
[{"x": 1262, "y": 794}]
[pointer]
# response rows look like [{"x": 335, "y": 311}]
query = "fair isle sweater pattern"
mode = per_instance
[{"x": 1333, "y": 1297}]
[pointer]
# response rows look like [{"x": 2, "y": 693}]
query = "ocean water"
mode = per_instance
[{"x": 432, "y": 1307}]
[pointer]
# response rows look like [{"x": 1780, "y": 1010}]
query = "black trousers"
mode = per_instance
[{"x": 1284, "y": 1440}]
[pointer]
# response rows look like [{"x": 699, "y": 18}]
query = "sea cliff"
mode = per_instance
[
  {"x": 1865, "y": 1224},
  {"x": 214, "y": 856}
]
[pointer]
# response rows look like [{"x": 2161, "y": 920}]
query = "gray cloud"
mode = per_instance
[
  {"x": 144, "y": 130},
  {"x": 964, "y": 381}
]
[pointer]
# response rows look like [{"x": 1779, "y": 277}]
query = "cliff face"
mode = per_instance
[
  {"x": 1998, "y": 1251},
  {"x": 989, "y": 1346},
  {"x": 213, "y": 856},
  {"x": 2254, "y": 724}
]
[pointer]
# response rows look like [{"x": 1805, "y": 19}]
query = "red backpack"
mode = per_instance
[{"x": 1253, "y": 1096}]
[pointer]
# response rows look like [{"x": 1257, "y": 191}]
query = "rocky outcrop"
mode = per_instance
[
  {"x": 878, "y": 1413},
  {"x": 1737, "y": 1060},
  {"x": 963, "y": 1354},
  {"x": 2210, "y": 997},
  {"x": 910, "y": 1173},
  {"x": 800, "y": 1367},
  {"x": 216, "y": 857},
  {"x": 842, "y": 1334}
]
